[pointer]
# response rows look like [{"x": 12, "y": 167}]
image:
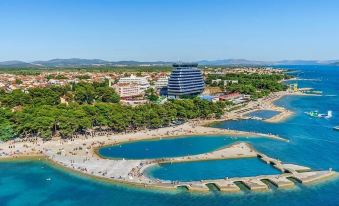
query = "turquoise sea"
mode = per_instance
[
  {"x": 313, "y": 143},
  {"x": 216, "y": 169},
  {"x": 264, "y": 114}
]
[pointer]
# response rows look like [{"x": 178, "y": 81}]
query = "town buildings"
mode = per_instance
[{"x": 141, "y": 81}]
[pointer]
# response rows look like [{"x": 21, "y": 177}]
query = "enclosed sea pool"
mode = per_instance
[
  {"x": 169, "y": 147},
  {"x": 214, "y": 169},
  {"x": 264, "y": 114}
]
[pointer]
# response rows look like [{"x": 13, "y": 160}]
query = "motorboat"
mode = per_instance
[{"x": 319, "y": 115}]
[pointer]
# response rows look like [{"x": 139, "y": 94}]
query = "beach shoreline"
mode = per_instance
[
  {"x": 192, "y": 128},
  {"x": 81, "y": 154}
]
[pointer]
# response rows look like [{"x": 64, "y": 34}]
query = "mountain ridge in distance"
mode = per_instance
[
  {"x": 78, "y": 62},
  {"x": 14, "y": 63}
]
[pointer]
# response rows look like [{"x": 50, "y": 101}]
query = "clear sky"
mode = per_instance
[{"x": 186, "y": 30}]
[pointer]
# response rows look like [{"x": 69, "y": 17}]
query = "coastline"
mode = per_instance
[
  {"x": 320, "y": 179},
  {"x": 68, "y": 155}
]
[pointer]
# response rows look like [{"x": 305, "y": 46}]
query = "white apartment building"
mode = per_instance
[
  {"x": 127, "y": 90},
  {"x": 141, "y": 81},
  {"x": 161, "y": 82}
]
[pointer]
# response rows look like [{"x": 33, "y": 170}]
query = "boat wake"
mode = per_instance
[{"x": 330, "y": 95}]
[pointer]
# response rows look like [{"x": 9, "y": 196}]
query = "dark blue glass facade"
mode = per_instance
[{"x": 186, "y": 79}]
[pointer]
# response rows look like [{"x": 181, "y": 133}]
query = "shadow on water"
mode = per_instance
[
  {"x": 242, "y": 186},
  {"x": 213, "y": 187},
  {"x": 270, "y": 184},
  {"x": 182, "y": 188}
]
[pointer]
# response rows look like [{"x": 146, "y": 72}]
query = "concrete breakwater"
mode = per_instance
[
  {"x": 79, "y": 155},
  {"x": 133, "y": 171}
]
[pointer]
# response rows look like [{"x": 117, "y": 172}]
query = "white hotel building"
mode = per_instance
[
  {"x": 161, "y": 82},
  {"x": 141, "y": 81},
  {"x": 128, "y": 90}
]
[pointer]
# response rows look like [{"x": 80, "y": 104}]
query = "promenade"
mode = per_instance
[{"x": 133, "y": 171}]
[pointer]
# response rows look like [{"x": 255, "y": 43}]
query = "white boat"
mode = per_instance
[
  {"x": 318, "y": 115},
  {"x": 336, "y": 128}
]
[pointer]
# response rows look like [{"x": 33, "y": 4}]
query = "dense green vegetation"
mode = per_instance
[
  {"x": 46, "y": 120},
  {"x": 151, "y": 95},
  {"x": 7, "y": 127},
  {"x": 256, "y": 85},
  {"x": 80, "y": 93},
  {"x": 39, "y": 111}
]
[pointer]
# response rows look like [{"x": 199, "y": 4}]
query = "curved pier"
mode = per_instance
[
  {"x": 79, "y": 155},
  {"x": 132, "y": 171}
]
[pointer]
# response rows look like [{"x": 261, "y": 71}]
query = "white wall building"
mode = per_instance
[
  {"x": 161, "y": 82},
  {"x": 141, "y": 81},
  {"x": 126, "y": 90}
]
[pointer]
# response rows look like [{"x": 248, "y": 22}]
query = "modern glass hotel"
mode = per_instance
[{"x": 185, "y": 79}]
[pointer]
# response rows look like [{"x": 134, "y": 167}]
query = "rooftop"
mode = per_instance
[{"x": 185, "y": 65}]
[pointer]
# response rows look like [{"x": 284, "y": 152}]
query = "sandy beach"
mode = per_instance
[
  {"x": 79, "y": 154},
  {"x": 85, "y": 146},
  {"x": 36, "y": 146},
  {"x": 266, "y": 103}
]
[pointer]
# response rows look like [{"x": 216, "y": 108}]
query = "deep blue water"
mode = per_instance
[
  {"x": 313, "y": 143},
  {"x": 218, "y": 169}
]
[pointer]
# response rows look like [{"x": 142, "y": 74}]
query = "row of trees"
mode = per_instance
[
  {"x": 49, "y": 120},
  {"x": 40, "y": 111},
  {"x": 256, "y": 85}
]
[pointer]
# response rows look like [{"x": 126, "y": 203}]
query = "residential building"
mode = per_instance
[
  {"x": 229, "y": 97},
  {"x": 235, "y": 97},
  {"x": 161, "y": 83},
  {"x": 141, "y": 81},
  {"x": 128, "y": 90}
]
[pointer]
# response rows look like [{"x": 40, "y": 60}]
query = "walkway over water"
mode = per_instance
[
  {"x": 132, "y": 171},
  {"x": 79, "y": 155}
]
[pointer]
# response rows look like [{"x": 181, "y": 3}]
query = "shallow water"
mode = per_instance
[
  {"x": 175, "y": 147},
  {"x": 313, "y": 143},
  {"x": 264, "y": 114},
  {"x": 217, "y": 169}
]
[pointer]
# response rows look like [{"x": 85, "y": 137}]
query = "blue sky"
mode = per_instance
[{"x": 186, "y": 30}]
